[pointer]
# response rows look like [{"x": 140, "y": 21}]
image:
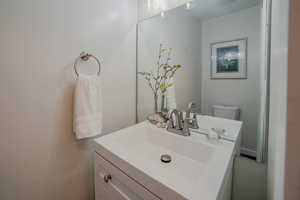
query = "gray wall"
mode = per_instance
[
  {"x": 40, "y": 158},
  {"x": 242, "y": 93}
]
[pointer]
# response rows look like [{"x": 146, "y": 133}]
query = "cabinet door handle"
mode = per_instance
[{"x": 107, "y": 178}]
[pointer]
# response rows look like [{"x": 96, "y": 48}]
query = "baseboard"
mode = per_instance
[{"x": 248, "y": 153}]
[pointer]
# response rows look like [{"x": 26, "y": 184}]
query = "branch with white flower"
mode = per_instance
[{"x": 160, "y": 81}]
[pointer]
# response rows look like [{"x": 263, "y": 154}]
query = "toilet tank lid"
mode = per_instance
[{"x": 226, "y": 107}]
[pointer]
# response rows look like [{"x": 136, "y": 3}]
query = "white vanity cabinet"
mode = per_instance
[
  {"x": 128, "y": 165},
  {"x": 113, "y": 184}
]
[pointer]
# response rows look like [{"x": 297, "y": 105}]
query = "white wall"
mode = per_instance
[
  {"x": 40, "y": 159},
  {"x": 242, "y": 93},
  {"x": 181, "y": 32},
  {"x": 278, "y": 99}
]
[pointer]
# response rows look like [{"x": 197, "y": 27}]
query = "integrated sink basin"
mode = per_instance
[{"x": 197, "y": 170}]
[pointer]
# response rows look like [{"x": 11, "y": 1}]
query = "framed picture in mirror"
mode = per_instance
[{"x": 229, "y": 59}]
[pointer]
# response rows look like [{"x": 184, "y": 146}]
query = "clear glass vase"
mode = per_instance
[
  {"x": 158, "y": 115},
  {"x": 159, "y": 103}
]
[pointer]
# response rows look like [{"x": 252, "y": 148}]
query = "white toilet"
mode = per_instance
[{"x": 224, "y": 111}]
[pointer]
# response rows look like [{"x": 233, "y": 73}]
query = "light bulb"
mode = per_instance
[
  {"x": 162, "y": 14},
  {"x": 188, "y": 5}
]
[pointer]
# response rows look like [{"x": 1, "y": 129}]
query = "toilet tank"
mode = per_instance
[{"x": 226, "y": 111}]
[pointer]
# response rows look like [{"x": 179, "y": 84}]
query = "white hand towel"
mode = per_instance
[
  {"x": 171, "y": 96},
  {"x": 87, "y": 120}
]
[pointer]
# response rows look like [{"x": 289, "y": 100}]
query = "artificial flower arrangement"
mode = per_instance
[{"x": 159, "y": 79}]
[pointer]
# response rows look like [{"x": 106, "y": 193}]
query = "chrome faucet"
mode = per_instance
[
  {"x": 191, "y": 121},
  {"x": 179, "y": 126}
]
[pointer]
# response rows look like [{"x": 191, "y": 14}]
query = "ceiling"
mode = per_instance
[{"x": 205, "y": 9}]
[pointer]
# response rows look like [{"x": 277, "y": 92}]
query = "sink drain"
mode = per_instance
[{"x": 165, "y": 158}]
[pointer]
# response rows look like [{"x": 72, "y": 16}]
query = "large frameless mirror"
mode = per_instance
[{"x": 211, "y": 52}]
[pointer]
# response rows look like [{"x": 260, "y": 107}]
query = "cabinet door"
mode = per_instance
[
  {"x": 109, "y": 191},
  {"x": 118, "y": 186},
  {"x": 225, "y": 192}
]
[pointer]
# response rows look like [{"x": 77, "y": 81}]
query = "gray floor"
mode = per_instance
[{"x": 249, "y": 180}]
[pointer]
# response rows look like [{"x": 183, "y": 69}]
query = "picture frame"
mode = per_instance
[{"x": 229, "y": 59}]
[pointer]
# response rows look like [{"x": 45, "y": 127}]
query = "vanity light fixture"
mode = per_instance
[
  {"x": 155, "y": 5},
  {"x": 188, "y": 5}
]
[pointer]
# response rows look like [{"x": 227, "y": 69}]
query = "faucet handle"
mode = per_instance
[
  {"x": 186, "y": 127},
  {"x": 191, "y": 106},
  {"x": 192, "y": 122}
]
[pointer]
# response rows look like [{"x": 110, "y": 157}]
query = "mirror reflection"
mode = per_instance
[{"x": 205, "y": 52}]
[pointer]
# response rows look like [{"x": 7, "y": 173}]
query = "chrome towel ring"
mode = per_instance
[{"x": 86, "y": 56}]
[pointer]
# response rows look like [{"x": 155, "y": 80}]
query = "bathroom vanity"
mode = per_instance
[{"x": 128, "y": 162}]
